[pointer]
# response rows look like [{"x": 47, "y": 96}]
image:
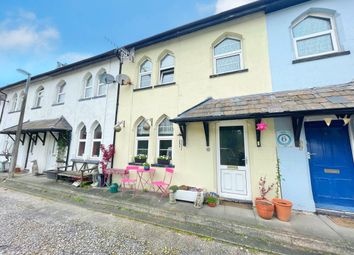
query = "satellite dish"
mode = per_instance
[
  {"x": 108, "y": 79},
  {"x": 123, "y": 79}
]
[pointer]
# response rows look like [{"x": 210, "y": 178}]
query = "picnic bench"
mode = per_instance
[{"x": 79, "y": 170}]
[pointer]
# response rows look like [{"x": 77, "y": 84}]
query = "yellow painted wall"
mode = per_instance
[{"x": 195, "y": 165}]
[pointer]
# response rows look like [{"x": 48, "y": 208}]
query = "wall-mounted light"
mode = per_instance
[
  {"x": 147, "y": 125},
  {"x": 119, "y": 126}
]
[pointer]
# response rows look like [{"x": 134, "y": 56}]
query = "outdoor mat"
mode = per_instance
[
  {"x": 235, "y": 204},
  {"x": 342, "y": 221}
]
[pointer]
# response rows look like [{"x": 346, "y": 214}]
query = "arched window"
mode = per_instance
[
  {"x": 20, "y": 101},
  {"x": 39, "y": 97},
  {"x": 167, "y": 69},
  {"x": 164, "y": 138},
  {"x": 227, "y": 56},
  {"x": 142, "y": 139},
  {"x": 145, "y": 74},
  {"x": 96, "y": 141},
  {"x": 88, "y": 90},
  {"x": 61, "y": 93},
  {"x": 14, "y": 103},
  {"x": 102, "y": 86},
  {"x": 82, "y": 141},
  {"x": 314, "y": 35}
]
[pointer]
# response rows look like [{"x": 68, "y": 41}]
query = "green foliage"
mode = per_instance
[
  {"x": 212, "y": 200},
  {"x": 163, "y": 157},
  {"x": 61, "y": 145},
  {"x": 173, "y": 188},
  {"x": 140, "y": 156}
]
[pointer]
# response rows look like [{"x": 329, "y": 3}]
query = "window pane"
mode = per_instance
[
  {"x": 61, "y": 88},
  {"x": 83, "y": 133},
  {"x": 232, "y": 149},
  {"x": 165, "y": 148},
  {"x": 101, "y": 89},
  {"x": 311, "y": 25},
  {"x": 101, "y": 78},
  {"x": 146, "y": 67},
  {"x": 166, "y": 128},
  {"x": 61, "y": 98},
  {"x": 167, "y": 76},
  {"x": 39, "y": 99},
  {"x": 96, "y": 149},
  {"x": 145, "y": 81},
  {"x": 98, "y": 132},
  {"x": 167, "y": 61},
  {"x": 143, "y": 147},
  {"x": 88, "y": 92},
  {"x": 315, "y": 45},
  {"x": 141, "y": 131},
  {"x": 226, "y": 46},
  {"x": 89, "y": 82},
  {"x": 228, "y": 64},
  {"x": 81, "y": 148}
]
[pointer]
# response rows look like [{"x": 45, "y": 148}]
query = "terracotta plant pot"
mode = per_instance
[
  {"x": 211, "y": 204},
  {"x": 282, "y": 209},
  {"x": 265, "y": 208}
]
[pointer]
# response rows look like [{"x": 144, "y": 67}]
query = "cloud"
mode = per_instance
[
  {"x": 205, "y": 8},
  {"x": 71, "y": 57},
  {"x": 24, "y": 32},
  {"x": 224, "y": 5}
]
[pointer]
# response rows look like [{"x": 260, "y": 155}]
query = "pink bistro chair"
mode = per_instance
[
  {"x": 165, "y": 183},
  {"x": 129, "y": 180}
]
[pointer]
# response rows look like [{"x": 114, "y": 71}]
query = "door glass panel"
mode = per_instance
[{"x": 232, "y": 147}]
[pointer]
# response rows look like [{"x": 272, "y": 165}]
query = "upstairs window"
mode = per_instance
[
  {"x": 82, "y": 141},
  {"x": 96, "y": 141},
  {"x": 313, "y": 36},
  {"x": 88, "y": 91},
  {"x": 142, "y": 139},
  {"x": 165, "y": 137},
  {"x": 20, "y": 101},
  {"x": 145, "y": 74},
  {"x": 14, "y": 103},
  {"x": 39, "y": 97},
  {"x": 227, "y": 56},
  {"x": 102, "y": 86},
  {"x": 61, "y": 93},
  {"x": 167, "y": 69}
]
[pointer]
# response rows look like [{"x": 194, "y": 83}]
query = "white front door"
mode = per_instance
[{"x": 233, "y": 169}]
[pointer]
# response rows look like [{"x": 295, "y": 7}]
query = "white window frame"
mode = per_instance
[
  {"x": 39, "y": 97},
  {"x": 89, "y": 78},
  {"x": 229, "y": 54},
  {"x": 164, "y": 138},
  {"x": 141, "y": 74},
  {"x": 101, "y": 84},
  {"x": 332, "y": 32},
  {"x": 141, "y": 138},
  {"x": 62, "y": 85},
  {"x": 20, "y": 101},
  {"x": 96, "y": 140},
  {"x": 14, "y": 103},
  {"x": 80, "y": 141},
  {"x": 167, "y": 68}
]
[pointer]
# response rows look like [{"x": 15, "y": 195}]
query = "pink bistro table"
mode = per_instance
[
  {"x": 145, "y": 177},
  {"x": 110, "y": 171}
]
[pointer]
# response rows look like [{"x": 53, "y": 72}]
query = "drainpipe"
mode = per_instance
[{"x": 3, "y": 105}]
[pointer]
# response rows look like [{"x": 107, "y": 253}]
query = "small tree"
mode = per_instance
[
  {"x": 263, "y": 190},
  {"x": 107, "y": 155}
]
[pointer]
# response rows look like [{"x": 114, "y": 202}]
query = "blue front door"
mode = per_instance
[{"x": 331, "y": 165}]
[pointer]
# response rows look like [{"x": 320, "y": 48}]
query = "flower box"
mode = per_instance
[
  {"x": 165, "y": 162},
  {"x": 137, "y": 160},
  {"x": 187, "y": 195}
]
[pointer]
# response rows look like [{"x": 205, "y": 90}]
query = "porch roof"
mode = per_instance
[
  {"x": 53, "y": 125},
  {"x": 335, "y": 99}
]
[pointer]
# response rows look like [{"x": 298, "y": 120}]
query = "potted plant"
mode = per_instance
[
  {"x": 173, "y": 190},
  {"x": 140, "y": 158},
  {"x": 146, "y": 166},
  {"x": 163, "y": 160},
  {"x": 265, "y": 208},
  {"x": 212, "y": 201}
]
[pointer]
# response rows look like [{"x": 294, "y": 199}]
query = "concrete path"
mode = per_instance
[{"x": 304, "y": 234}]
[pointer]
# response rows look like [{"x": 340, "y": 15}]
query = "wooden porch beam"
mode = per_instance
[
  {"x": 183, "y": 129},
  {"x": 206, "y": 132},
  {"x": 297, "y": 123},
  {"x": 258, "y": 132}
]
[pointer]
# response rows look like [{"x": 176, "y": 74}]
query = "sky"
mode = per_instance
[{"x": 35, "y": 34}]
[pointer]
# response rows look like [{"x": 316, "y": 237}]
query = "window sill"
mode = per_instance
[
  {"x": 56, "y": 104},
  {"x": 165, "y": 84},
  {"x": 14, "y": 111},
  {"x": 153, "y": 165},
  {"x": 37, "y": 107},
  {"x": 90, "y": 98},
  {"x": 330, "y": 55},
  {"x": 233, "y": 72},
  {"x": 138, "y": 89}
]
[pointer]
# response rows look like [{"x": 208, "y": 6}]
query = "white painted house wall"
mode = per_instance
[{"x": 76, "y": 111}]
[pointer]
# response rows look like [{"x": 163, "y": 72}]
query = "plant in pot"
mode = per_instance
[
  {"x": 140, "y": 158},
  {"x": 282, "y": 206},
  {"x": 173, "y": 190},
  {"x": 265, "y": 208},
  {"x": 163, "y": 160},
  {"x": 212, "y": 201},
  {"x": 146, "y": 166}
]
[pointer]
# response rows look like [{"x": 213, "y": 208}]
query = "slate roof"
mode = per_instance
[
  {"x": 334, "y": 99},
  {"x": 54, "y": 125}
]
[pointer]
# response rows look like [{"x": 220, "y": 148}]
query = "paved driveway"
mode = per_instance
[{"x": 31, "y": 225}]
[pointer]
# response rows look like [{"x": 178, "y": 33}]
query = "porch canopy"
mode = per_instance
[{"x": 335, "y": 99}]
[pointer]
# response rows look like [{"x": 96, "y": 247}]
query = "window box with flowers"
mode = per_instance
[
  {"x": 163, "y": 160},
  {"x": 140, "y": 158}
]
